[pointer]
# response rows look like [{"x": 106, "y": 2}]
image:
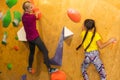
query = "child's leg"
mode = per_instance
[
  {"x": 100, "y": 68},
  {"x": 85, "y": 64},
  {"x": 44, "y": 50},
  {"x": 31, "y": 55}
]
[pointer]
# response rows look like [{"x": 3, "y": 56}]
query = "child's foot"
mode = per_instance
[
  {"x": 51, "y": 70},
  {"x": 29, "y": 69}
]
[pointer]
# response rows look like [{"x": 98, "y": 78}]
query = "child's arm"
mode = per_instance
[
  {"x": 102, "y": 45},
  {"x": 37, "y": 13}
]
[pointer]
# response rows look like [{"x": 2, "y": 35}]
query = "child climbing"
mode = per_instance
[
  {"x": 91, "y": 42},
  {"x": 32, "y": 35}
]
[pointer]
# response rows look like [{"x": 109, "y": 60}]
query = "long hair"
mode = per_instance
[{"x": 89, "y": 24}]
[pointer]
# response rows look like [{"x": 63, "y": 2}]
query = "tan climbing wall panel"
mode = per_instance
[{"x": 106, "y": 13}]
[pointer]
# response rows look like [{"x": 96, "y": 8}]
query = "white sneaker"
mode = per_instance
[{"x": 29, "y": 69}]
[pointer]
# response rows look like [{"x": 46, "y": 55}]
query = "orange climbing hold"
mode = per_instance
[
  {"x": 59, "y": 75},
  {"x": 16, "y": 48},
  {"x": 74, "y": 15}
]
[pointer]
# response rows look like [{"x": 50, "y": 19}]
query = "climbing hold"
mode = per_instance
[
  {"x": 6, "y": 19},
  {"x": 11, "y": 3},
  {"x": 37, "y": 12},
  {"x": 16, "y": 48},
  {"x": 33, "y": 71},
  {"x": 17, "y": 18},
  {"x": 16, "y": 37},
  {"x": 9, "y": 66},
  {"x": 59, "y": 75},
  {"x": 21, "y": 34},
  {"x": 74, "y": 15},
  {"x": 57, "y": 58},
  {"x": 24, "y": 77},
  {"x": 4, "y": 40}
]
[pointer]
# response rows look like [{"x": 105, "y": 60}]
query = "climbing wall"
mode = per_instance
[{"x": 106, "y": 13}]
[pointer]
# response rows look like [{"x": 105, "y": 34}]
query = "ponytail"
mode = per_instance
[
  {"x": 82, "y": 40},
  {"x": 91, "y": 38},
  {"x": 89, "y": 24}
]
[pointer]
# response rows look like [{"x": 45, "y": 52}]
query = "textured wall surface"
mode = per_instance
[{"x": 106, "y": 13}]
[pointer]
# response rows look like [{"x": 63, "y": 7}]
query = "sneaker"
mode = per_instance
[
  {"x": 29, "y": 69},
  {"x": 51, "y": 70}
]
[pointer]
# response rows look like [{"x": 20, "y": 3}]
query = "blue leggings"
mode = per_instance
[{"x": 93, "y": 57}]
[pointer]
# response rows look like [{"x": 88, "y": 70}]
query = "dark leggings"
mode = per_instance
[{"x": 41, "y": 47}]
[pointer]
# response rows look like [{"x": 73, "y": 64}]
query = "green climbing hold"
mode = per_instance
[
  {"x": 16, "y": 37},
  {"x": 6, "y": 19},
  {"x": 9, "y": 66},
  {"x": 11, "y": 3},
  {"x": 17, "y": 18}
]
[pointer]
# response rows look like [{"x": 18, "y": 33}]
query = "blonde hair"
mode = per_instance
[{"x": 24, "y": 6}]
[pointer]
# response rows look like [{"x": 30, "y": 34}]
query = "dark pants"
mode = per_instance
[{"x": 41, "y": 47}]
